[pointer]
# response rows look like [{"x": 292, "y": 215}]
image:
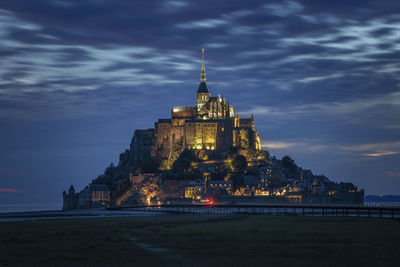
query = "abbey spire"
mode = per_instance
[
  {"x": 203, "y": 95},
  {"x": 203, "y": 86},
  {"x": 203, "y": 69}
]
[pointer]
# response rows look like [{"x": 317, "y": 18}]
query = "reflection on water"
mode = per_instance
[{"x": 30, "y": 207}]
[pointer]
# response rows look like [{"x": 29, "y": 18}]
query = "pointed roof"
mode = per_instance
[{"x": 203, "y": 86}]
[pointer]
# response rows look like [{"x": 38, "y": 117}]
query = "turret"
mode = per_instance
[
  {"x": 236, "y": 120},
  {"x": 231, "y": 111}
]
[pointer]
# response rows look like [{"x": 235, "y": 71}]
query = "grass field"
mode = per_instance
[{"x": 201, "y": 240}]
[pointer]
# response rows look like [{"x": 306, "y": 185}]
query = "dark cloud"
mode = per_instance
[{"x": 382, "y": 32}]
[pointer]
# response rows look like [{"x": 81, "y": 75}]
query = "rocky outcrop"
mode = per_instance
[
  {"x": 145, "y": 189},
  {"x": 141, "y": 146}
]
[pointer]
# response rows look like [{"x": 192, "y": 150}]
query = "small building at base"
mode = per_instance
[{"x": 94, "y": 196}]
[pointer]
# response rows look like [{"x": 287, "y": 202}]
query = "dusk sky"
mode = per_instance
[{"x": 322, "y": 79}]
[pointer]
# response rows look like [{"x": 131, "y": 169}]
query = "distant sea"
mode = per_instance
[
  {"x": 29, "y": 207},
  {"x": 384, "y": 198},
  {"x": 392, "y": 201}
]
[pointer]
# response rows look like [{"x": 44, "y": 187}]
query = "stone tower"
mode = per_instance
[{"x": 203, "y": 95}]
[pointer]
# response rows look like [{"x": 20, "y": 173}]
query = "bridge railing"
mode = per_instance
[
  {"x": 382, "y": 204},
  {"x": 272, "y": 209}
]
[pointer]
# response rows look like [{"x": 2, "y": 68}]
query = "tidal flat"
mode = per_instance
[{"x": 201, "y": 240}]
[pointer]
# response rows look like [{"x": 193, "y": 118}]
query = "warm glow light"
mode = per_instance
[{"x": 209, "y": 201}]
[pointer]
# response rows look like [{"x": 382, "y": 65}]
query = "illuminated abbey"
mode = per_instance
[
  {"x": 203, "y": 151},
  {"x": 209, "y": 125}
]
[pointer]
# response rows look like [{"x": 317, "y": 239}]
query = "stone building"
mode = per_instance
[
  {"x": 210, "y": 125},
  {"x": 195, "y": 189},
  {"x": 94, "y": 196},
  {"x": 220, "y": 187}
]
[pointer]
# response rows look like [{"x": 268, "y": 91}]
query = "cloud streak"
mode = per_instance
[
  {"x": 375, "y": 149},
  {"x": 381, "y": 154},
  {"x": 392, "y": 173},
  {"x": 8, "y": 190},
  {"x": 277, "y": 144}
]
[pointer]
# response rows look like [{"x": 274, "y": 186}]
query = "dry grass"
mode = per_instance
[{"x": 187, "y": 240}]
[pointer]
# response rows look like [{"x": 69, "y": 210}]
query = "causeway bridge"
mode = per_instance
[{"x": 271, "y": 209}]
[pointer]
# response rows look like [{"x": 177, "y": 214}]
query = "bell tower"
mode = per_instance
[{"x": 203, "y": 95}]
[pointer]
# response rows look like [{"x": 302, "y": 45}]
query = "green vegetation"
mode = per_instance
[
  {"x": 262, "y": 157},
  {"x": 149, "y": 165},
  {"x": 116, "y": 178},
  {"x": 288, "y": 164},
  {"x": 239, "y": 163},
  {"x": 184, "y": 162},
  {"x": 203, "y": 240}
]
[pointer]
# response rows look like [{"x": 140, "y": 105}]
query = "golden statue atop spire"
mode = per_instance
[{"x": 203, "y": 69}]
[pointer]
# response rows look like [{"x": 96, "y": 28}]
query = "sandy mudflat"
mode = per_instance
[
  {"x": 55, "y": 214},
  {"x": 200, "y": 240}
]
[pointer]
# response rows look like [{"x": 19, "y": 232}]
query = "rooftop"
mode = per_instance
[
  {"x": 202, "y": 88},
  {"x": 99, "y": 187},
  {"x": 208, "y": 121}
]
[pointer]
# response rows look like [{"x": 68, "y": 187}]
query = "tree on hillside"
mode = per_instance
[
  {"x": 124, "y": 158},
  {"x": 239, "y": 163},
  {"x": 184, "y": 161},
  {"x": 263, "y": 158},
  {"x": 149, "y": 165},
  {"x": 288, "y": 164},
  {"x": 110, "y": 170},
  {"x": 108, "y": 177},
  {"x": 263, "y": 154},
  {"x": 111, "y": 174}
]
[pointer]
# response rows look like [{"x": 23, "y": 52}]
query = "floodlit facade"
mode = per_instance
[{"x": 210, "y": 125}]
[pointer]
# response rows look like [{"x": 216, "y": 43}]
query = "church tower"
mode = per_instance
[{"x": 203, "y": 95}]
